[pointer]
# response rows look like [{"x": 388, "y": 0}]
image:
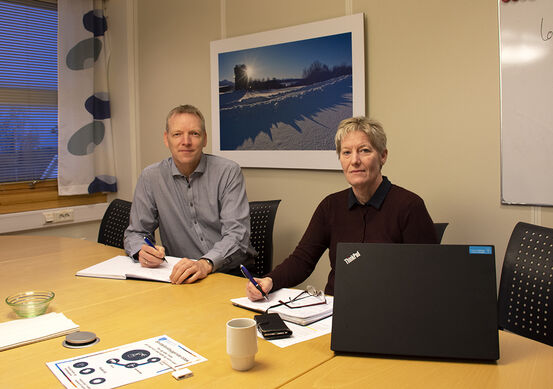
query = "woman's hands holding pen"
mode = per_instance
[
  {"x": 254, "y": 294},
  {"x": 151, "y": 257}
]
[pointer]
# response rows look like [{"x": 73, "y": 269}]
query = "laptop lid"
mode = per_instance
[{"x": 419, "y": 300}]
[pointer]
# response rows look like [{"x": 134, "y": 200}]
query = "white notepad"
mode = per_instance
[
  {"x": 24, "y": 331},
  {"x": 302, "y": 316},
  {"x": 122, "y": 267}
]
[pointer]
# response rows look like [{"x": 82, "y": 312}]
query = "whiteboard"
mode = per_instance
[{"x": 526, "y": 54}]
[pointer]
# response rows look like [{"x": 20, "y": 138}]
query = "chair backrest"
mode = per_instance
[
  {"x": 262, "y": 220},
  {"x": 526, "y": 290},
  {"x": 440, "y": 229},
  {"x": 114, "y": 223}
]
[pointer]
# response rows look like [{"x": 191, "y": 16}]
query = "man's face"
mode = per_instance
[{"x": 186, "y": 140}]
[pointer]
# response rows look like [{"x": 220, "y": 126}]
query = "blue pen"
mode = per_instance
[
  {"x": 249, "y": 276},
  {"x": 151, "y": 245}
]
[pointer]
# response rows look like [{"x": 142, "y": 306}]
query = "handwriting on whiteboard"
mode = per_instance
[{"x": 547, "y": 36}]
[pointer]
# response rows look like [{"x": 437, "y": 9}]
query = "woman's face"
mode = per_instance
[{"x": 361, "y": 162}]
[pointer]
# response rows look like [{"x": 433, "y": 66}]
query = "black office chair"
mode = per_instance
[
  {"x": 114, "y": 223},
  {"x": 262, "y": 220},
  {"x": 440, "y": 229},
  {"x": 526, "y": 290}
]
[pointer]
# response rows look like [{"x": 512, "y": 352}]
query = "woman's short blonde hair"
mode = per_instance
[{"x": 372, "y": 128}]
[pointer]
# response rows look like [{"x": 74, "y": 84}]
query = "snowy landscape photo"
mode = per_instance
[
  {"x": 279, "y": 104},
  {"x": 297, "y": 92}
]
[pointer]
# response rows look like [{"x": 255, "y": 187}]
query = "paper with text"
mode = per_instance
[{"x": 125, "y": 364}]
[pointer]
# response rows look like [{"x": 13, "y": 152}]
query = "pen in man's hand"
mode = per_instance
[
  {"x": 249, "y": 276},
  {"x": 152, "y": 245}
]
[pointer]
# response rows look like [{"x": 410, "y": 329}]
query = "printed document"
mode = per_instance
[{"x": 122, "y": 365}]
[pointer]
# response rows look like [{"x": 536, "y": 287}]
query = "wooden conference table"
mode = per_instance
[{"x": 125, "y": 311}]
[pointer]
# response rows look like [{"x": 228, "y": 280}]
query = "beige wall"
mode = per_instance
[
  {"x": 432, "y": 79},
  {"x": 432, "y": 70}
]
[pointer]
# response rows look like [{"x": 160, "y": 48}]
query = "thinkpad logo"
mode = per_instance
[{"x": 352, "y": 257}]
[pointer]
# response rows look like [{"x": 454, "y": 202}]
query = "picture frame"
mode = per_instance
[{"x": 278, "y": 96}]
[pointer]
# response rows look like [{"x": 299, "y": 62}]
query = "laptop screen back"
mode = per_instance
[{"x": 416, "y": 300}]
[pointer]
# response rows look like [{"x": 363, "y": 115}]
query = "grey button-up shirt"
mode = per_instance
[{"x": 204, "y": 216}]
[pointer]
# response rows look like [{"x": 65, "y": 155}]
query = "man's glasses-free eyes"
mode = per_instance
[{"x": 307, "y": 298}]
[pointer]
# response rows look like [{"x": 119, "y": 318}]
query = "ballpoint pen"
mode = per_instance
[
  {"x": 152, "y": 245},
  {"x": 249, "y": 276}
]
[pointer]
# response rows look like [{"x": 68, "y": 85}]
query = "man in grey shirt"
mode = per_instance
[{"x": 198, "y": 201}]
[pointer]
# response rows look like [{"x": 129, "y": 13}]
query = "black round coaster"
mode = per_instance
[{"x": 80, "y": 339}]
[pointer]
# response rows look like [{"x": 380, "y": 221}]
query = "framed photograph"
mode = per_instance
[{"x": 278, "y": 96}]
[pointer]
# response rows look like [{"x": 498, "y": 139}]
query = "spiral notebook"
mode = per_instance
[{"x": 302, "y": 316}]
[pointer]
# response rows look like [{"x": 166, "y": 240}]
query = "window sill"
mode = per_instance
[{"x": 21, "y": 221}]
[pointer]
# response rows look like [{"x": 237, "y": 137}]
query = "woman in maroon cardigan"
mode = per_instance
[{"x": 371, "y": 210}]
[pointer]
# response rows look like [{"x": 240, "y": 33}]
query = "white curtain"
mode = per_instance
[{"x": 85, "y": 143}]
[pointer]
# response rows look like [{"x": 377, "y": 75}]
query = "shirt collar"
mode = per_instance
[
  {"x": 200, "y": 169},
  {"x": 376, "y": 199}
]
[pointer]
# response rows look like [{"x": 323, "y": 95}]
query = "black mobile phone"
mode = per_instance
[{"x": 272, "y": 326}]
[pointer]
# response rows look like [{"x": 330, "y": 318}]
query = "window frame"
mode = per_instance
[{"x": 40, "y": 195}]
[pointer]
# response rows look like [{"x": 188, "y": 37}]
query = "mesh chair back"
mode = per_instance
[
  {"x": 262, "y": 220},
  {"x": 440, "y": 229},
  {"x": 525, "y": 291},
  {"x": 114, "y": 223}
]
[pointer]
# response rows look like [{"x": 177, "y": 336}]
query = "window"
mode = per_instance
[
  {"x": 28, "y": 107},
  {"x": 28, "y": 92}
]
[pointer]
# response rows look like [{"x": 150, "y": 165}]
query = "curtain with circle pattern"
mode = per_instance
[{"x": 85, "y": 145}]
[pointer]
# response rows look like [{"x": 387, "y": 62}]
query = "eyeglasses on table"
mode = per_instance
[{"x": 299, "y": 301}]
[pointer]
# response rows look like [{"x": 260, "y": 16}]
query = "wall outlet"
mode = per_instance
[
  {"x": 48, "y": 217},
  {"x": 63, "y": 215}
]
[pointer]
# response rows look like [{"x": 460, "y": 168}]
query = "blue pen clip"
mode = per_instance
[
  {"x": 249, "y": 276},
  {"x": 152, "y": 245}
]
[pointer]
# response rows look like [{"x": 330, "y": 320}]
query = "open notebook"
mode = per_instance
[
  {"x": 302, "y": 316},
  {"x": 122, "y": 267}
]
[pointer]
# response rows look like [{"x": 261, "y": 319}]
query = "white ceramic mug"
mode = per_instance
[{"x": 241, "y": 343}]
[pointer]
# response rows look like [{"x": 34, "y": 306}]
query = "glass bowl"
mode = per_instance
[{"x": 31, "y": 303}]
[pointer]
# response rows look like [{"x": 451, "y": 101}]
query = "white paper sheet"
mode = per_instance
[{"x": 303, "y": 333}]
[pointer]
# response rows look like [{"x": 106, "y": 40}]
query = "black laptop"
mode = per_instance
[{"x": 416, "y": 300}]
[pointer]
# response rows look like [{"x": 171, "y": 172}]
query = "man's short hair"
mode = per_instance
[
  {"x": 185, "y": 109},
  {"x": 373, "y": 129}
]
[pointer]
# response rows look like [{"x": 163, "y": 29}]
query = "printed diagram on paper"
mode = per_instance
[{"x": 125, "y": 364}]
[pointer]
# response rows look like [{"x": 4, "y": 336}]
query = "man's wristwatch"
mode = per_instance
[{"x": 208, "y": 261}]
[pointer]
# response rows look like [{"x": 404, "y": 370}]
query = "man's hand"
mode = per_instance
[
  {"x": 254, "y": 294},
  {"x": 150, "y": 257},
  {"x": 187, "y": 271}
]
